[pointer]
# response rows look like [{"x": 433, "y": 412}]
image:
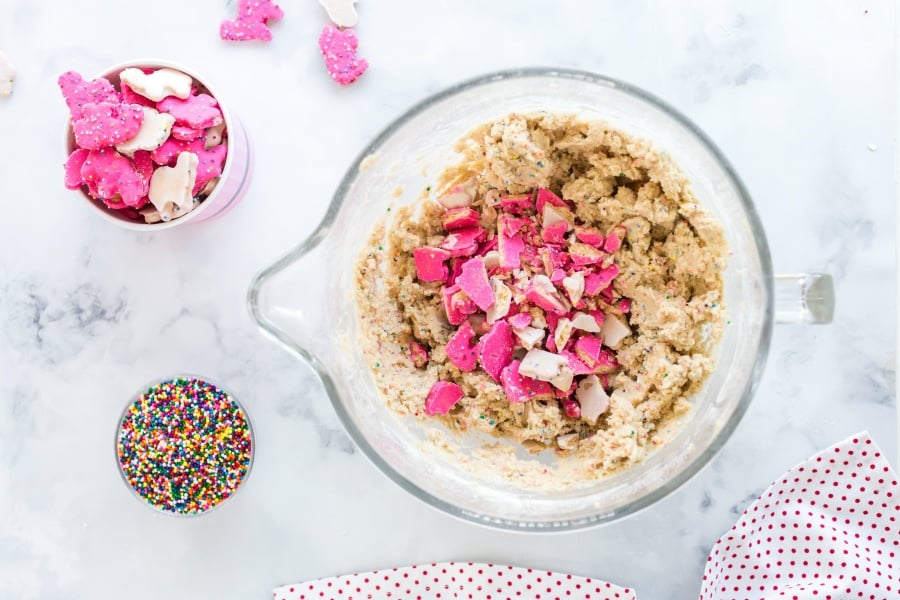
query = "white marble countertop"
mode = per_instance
[{"x": 794, "y": 93}]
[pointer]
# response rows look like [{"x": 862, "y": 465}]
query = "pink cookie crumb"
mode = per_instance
[
  {"x": 460, "y": 349},
  {"x": 442, "y": 397},
  {"x": 496, "y": 349},
  {"x": 418, "y": 356}
]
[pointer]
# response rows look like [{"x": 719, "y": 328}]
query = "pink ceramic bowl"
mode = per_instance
[{"x": 236, "y": 171}]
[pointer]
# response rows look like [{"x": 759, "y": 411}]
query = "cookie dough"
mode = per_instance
[{"x": 671, "y": 263}]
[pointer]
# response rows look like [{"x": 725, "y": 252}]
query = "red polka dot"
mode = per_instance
[
  {"x": 506, "y": 583},
  {"x": 731, "y": 560}
]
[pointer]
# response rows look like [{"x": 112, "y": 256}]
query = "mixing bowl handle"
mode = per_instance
[{"x": 806, "y": 298}]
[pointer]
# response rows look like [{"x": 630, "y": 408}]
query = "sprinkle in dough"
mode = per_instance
[{"x": 671, "y": 264}]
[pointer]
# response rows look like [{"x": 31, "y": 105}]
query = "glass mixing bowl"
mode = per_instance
[{"x": 306, "y": 302}]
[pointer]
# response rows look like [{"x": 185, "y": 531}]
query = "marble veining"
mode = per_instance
[{"x": 800, "y": 96}]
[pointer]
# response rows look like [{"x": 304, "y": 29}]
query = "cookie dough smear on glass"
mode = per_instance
[{"x": 184, "y": 446}]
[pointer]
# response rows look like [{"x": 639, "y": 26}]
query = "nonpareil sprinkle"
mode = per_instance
[{"x": 184, "y": 445}]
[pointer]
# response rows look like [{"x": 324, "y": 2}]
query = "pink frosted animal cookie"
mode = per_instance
[
  {"x": 106, "y": 124},
  {"x": 79, "y": 92},
  {"x": 73, "y": 168},
  {"x": 196, "y": 111},
  {"x": 186, "y": 134},
  {"x": 210, "y": 167},
  {"x": 108, "y": 174},
  {"x": 129, "y": 96},
  {"x": 252, "y": 21},
  {"x": 339, "y": 50}
]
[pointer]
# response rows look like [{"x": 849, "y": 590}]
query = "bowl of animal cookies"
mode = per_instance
[{"x": 149, "y": 145}]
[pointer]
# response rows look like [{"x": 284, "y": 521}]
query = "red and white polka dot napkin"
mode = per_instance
[
  {"x": 829, "y": 529},
  {"x": 446, "y": 581}
]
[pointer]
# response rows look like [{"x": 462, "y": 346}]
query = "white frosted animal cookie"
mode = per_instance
[
  {"x": 155, "y": 129},
  {"x": 341, "y": 12},
  {"x": 158, "y": 84},
  {"x": 7, "y": 74},
  {"x": 214, "y": 135},
  {"x": 170, "y": 187}
]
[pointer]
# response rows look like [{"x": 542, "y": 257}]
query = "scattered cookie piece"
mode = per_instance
[
  {"x": 78, "y": 92},
  {"x": 339, "y": 50},
  {"x": 155, "y": 130},
  {"x": 158, "y": 84},
  {"x": 341, "y": 12},
  {"x": 106, "y": 124},
  {"x": 7, "y": 75},
  {"x": 252, "y": 21},
  {"x": 171, "y": 188}
]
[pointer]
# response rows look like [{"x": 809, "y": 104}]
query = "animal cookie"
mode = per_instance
[
  {"x": 341, "y": 12},
  {"x": 7, "y": 74},
  {"x": 109, "y": 175},
  {"x": 186, "y": 134},
  {"x": 196, "y": 111},
  {"x": 339, "y": 49},
  {"x": 73, "y": 168},
  {"x": 153, "y": 132},
  {"x": 214, "y": 135},
  {"x": 210, "y": 168},
  {"x": 106, "y": 124},
  {"x": 158, "y": 84},
  {"x": 151, "y": 127},
  {"x": 211, "y": 160},
  {"x": 171, "y": 188},
  {"x": 129, "y": 96},
  {"x": 252, "y": 21},
  {"x": 78, "y": 92}
]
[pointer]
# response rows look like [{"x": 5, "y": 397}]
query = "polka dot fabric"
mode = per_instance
[
  {"x": 456, "y": 581},
  {"x": 829, "y": 529}
]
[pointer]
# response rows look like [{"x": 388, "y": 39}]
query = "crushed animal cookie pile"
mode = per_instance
[{"x": 563, "y": 289}]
